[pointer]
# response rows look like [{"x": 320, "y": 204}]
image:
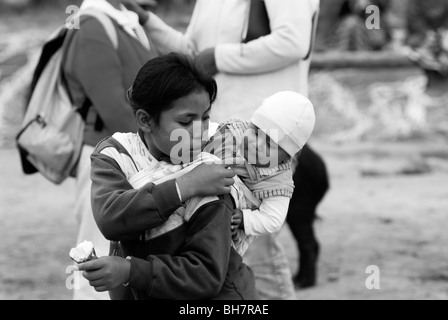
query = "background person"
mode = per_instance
[{"x": 98, "y": 76}]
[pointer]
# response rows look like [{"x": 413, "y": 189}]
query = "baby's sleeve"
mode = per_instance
[{"x": 269, "y": 218}]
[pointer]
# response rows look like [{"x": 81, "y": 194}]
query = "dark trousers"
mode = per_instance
[{"x": 311, "y": 184}]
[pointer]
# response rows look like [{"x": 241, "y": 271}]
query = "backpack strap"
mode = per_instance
[{"x": 109, "y": 27}]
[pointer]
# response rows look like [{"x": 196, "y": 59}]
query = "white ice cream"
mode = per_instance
[{"x": 82, "y": 252}]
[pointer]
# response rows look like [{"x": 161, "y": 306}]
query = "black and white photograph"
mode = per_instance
[{"x": 197, "y": 150}]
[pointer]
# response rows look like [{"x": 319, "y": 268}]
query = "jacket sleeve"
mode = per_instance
[
  {"x": 200, "y": 268},
  {"x": 122, "y": 212},
  {"x": 289, "y": 41},
  {"x": 166, "y": 38},
  {"x": 98, "y": 69}
]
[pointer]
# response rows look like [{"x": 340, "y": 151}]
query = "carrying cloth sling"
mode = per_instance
[
  {"x": 51, "y": 138},
  {"x": 259, "y": 24}
]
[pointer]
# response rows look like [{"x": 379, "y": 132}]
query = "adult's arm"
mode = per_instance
[
  {"x": 98, "y": 68},
  {"x": 200, "y": 268},
  {"x": 289, "y": 41},
  {"x": 122, "y": 212},
  {"x": 166, "y": 38}
]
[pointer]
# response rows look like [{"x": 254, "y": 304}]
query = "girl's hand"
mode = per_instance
[
  {"x": 106, "y": 273},
  {"x": 206, "y": 180}
]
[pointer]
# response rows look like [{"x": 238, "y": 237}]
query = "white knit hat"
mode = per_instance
[{"x": 291, "y": 115}]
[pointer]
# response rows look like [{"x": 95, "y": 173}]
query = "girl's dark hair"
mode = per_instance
[{"x": 165, "y": 79}]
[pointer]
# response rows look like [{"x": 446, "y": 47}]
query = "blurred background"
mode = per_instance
[{"x": 382, "y": 125}]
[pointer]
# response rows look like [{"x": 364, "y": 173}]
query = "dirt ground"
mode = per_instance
[
  {"x": 387, "y": 206},
  {"x": 373, "y": 215}
]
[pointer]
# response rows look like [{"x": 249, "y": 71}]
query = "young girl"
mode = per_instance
[{"x": 182, "y": 255}]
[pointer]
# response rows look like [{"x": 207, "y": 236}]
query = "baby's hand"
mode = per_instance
[
  {"x": 206, "y": 180},
  {"x": 106, "y": 273},
  {"x": 237, "y": 220}
]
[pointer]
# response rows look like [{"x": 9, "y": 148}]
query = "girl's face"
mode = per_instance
[{"x": 181, "y": 129}]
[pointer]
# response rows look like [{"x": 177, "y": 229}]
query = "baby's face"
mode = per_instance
[{"x": 261, "y": 151}]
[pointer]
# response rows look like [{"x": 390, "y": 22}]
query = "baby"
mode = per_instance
[{"x": 262, "y": 150}]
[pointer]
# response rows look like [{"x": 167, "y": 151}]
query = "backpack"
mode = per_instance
[{"x": 51, "y": 137}]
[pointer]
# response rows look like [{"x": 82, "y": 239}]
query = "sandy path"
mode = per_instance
[
  {"x": 396, "y": 222},
  {"x": 38, "y": 228}
]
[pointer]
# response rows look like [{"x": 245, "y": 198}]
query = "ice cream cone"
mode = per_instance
[{"x": 85, "y": 251}]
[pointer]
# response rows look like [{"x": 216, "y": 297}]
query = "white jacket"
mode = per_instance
[{"x": 250, "y": 72}]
